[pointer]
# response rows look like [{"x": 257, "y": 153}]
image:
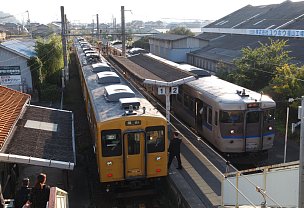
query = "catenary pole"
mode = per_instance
[
  {"x": 97, "y": 26},
  {"x": 123, "y": 31},
  {"x": 64, "y": 44}
]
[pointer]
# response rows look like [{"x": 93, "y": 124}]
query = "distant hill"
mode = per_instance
[{"x": 6, "y": 17}]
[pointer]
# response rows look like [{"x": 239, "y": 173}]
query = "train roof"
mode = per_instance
[
  {"x": 226, "y": 92},
  {"x": 105, "y": 109}
]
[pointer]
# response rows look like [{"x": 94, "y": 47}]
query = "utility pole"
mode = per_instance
[
  {"x": 123, "y": 31},
  {"x": 301, "y": 165},
  {"x": 97, "y": 22},
  {"x": 64, "y": 46},
  {"x": 66, "y": 27},
  {"x": 29, "y": 24},
  {"x": 93, "y": 26}
]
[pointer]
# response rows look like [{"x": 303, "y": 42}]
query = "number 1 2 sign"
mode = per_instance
[{"x": 162, "y": 90}]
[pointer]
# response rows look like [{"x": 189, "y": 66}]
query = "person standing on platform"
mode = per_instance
[
  {"x": 23, "y": 194},
  {"x": 174, "y": 150},
  {"x": 40, "y": 192}
]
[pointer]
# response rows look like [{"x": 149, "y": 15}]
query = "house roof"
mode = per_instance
[
  {"x": 23, "y": 47},
  {"x": 12, "y": 103},
  {"x": 34, "y": 135}
]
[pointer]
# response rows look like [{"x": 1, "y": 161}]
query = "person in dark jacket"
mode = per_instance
[
  {"x": 40, "y": 192},
  {"x": 174, "y": 150},
  {"x": 23, "y": 194}
]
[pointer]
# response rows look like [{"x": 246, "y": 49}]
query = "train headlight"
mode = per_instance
[
  {"x": 269, "y": 128},
  {"x": 158, "y": 158},
  {"x": 109, "y": 163},
  {"x": 232, "y": 131}
]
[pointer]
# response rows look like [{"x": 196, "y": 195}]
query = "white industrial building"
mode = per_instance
[
  {"x": 14, "y": 70},
  {"x": 174, "y": 47}
]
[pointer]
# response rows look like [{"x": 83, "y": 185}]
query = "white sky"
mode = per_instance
[{"x": 46, "y": 11}]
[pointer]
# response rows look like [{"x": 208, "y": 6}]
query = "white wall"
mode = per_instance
[
  {"x": 281, "y": 184},
  {"x": 8, "y": 58}
]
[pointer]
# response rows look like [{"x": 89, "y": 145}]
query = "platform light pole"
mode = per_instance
[
  {"x": 290, "y": 100},
  {"x": 301, "y": 165}
]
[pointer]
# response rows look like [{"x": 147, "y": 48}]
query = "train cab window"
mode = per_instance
[
  {"x": 231, "y": 117},
  {"x": 111, "y": 143},
  {"x": 253, "y": 117},
  {"x": 133, "y": 143},
  {"x": 155, "y": 138},
  {"x": 269, "y": 115}
]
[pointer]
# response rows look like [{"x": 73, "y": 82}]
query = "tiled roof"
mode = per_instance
[
  {"x": 11, "y": 105},
  {"x": 51, "y": 139}
]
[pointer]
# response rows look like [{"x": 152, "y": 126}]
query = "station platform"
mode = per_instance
[{"x": 198, "y": 184}]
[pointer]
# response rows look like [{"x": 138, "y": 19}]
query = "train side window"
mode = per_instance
[
  {"x": 111, "y": 143},
  {"x": 186, "y": 101},
  {"x": 215, "y": 118},
  {"x": 209, "y": 116},
  {"x": 155, "y": 138},
  {"x": 179, "y": 96}
]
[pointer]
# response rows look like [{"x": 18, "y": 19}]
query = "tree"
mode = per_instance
[
  {"x": 142, "y": 43},
  {"x": 180, "y": 31},
  {"x": 50, "y": 54},
  {"x": 256, "y": 67},
  {"x": 35, "y": 67}
]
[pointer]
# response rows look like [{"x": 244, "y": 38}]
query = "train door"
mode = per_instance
[
  {"x": 253, "y": 132},
  {"x": 134, "y": 154}
]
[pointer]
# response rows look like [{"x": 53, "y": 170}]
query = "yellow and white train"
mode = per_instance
[{"x": 130, "y": 135}]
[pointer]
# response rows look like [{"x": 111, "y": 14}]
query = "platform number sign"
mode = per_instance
[
  {"x": 161, "y": 90},
  {"x": 174, "y": 90}
]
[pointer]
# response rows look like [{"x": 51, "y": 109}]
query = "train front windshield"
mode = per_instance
[{"x": 231, "y": 117}]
